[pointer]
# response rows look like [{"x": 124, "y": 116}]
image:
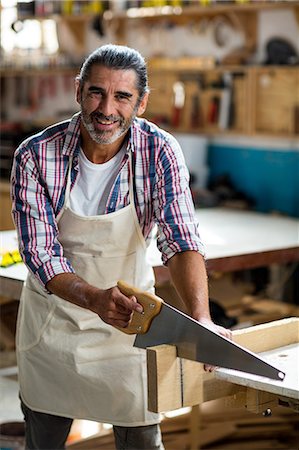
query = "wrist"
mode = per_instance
[{"x": 92, "y": 297}]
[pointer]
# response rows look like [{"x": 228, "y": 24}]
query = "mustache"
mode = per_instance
[{"x": 101, "y": 116}]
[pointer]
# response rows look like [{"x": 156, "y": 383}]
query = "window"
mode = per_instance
[{"x": 18, "y": 36}]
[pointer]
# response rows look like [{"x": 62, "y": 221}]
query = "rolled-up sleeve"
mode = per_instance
[
  {"x": 173, "y": 204},
  {"x": 34, "y": 218}
]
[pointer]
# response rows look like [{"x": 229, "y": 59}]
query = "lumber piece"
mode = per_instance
[
  {"x": 164, "y": 379},
  {"x": 175, "y": 383},
  {"x": 268, "y": 336}
]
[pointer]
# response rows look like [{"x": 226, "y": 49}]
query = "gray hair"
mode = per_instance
[{"x": 117, "y": 57}]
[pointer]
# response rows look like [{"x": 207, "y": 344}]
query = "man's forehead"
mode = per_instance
[{"x": 101, "y": 74}]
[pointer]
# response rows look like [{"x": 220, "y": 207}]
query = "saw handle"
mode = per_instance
[{"x": 140, "y": 322}]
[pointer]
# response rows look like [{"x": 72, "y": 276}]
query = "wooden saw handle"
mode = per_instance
[{"x": 152, "y": 305}]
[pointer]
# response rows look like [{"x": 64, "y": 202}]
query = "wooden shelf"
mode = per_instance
[
  {"x": 254, "y": 87},
  {"x": 196, "y": 10},
  {"x": 36, "y": 71},
  {"x": 158, "y": 12},
  {"x": 253, "y": 91}
]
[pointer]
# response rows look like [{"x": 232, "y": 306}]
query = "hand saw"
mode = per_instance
[{"x": 161, "y": 323}]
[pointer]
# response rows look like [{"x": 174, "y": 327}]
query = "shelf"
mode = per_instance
[
  {"x": 245, "y": 108},
  {"x": 196, "y": 10},
  {"x": 252, "y": 94},
  {"x": 241, "y": 105},
  {"x": 158, "y": 12},
  {"x": 36, "y": 71},
  {"x": 192, "y": 65}
]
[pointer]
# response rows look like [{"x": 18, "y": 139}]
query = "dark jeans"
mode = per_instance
[{"x": 49, "y": 432}]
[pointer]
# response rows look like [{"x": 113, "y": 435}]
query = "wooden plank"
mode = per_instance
[
  {"x": 268, "y": 336},
  {"x": 200, "y": 386},
  {"x": 174, "y": 383},
  {"x": 276, "y": 86},
  {"x": 164, "y": 379}
]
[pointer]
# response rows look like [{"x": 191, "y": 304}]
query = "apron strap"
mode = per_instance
[
  {"x": 68, "y": 183},
  {"x": 131, "y": 187},
  {"x": 67, "y": 189}
]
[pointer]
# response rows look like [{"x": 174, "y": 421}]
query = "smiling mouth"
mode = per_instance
[{"x": 106, "y": 121}]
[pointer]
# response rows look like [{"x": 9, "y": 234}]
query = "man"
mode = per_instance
[{"x": 86, "y": 196}]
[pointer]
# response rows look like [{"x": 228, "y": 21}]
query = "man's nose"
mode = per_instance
[{"x": 106, "y": 106}]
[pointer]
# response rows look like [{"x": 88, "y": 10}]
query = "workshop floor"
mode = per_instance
[{"x": 220, "y": 429}]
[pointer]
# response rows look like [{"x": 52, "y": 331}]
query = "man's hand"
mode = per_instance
[
  {"x": 114, "y": 308},
  {"x": 111, "y": 305}
]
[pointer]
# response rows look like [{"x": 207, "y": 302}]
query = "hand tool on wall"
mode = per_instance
[
  {"x": 178, "y": 104},
  {"x": 161, "y": 323}
]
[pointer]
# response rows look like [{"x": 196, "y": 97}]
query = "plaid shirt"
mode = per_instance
[{"x": 161, "y": 190}]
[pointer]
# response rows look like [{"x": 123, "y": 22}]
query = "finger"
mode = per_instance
[
  {"x": 122, "y": 309},
  {"x": 117, "y": 315},
  {"x": 209, "y": 368},
  {"x": 129, "y": 303},
  {"x": 227, "y": 333},
  {"x": 136, "y": 306}
]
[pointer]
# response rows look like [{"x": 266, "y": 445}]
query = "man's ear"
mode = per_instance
[
  {"x": 143, "y": 104},
  {"x": 78, "y": 91}
]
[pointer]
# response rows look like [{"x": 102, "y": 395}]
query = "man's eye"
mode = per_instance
[
  {"x": 122, "y": 97},
  {"x": 95, "y": 94}
]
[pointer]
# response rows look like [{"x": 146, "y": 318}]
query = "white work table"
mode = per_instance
[
  {"x": 236, "y": 239},
  {"x": 233, "y": 239},
  {"x": 286, "y": 358}
]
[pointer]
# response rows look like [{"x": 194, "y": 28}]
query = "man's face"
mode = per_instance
[{"x": 109, "y": 102}]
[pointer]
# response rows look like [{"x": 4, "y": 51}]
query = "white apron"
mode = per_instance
[{"x": 71, "y": 363}]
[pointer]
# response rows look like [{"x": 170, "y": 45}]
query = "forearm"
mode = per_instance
[
  {"x": 74, "y": 289},
  {"x": 189, "y": 276}
]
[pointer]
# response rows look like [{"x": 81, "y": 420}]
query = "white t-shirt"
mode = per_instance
[{"x": 94, "y": 183}]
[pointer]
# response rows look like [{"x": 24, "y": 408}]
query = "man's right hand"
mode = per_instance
[
  {"x": 114, "y": 308},
  {"x": 111, "y": 305}
]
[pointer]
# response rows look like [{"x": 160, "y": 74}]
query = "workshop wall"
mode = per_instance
[{"x": 266, "y": 172}]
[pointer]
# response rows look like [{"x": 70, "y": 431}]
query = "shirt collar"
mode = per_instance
[{"x": 72, "y": 140}]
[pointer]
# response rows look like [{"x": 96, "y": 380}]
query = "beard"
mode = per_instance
[{"x": 102, "y": 136}]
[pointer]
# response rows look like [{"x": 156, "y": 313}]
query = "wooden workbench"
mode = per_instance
[
  {"x": 234, "y": 240},
  {"x": 175, "y": 383}
]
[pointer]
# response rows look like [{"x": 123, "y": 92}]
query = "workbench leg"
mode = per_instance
[{"x": 195, "y": 426}]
